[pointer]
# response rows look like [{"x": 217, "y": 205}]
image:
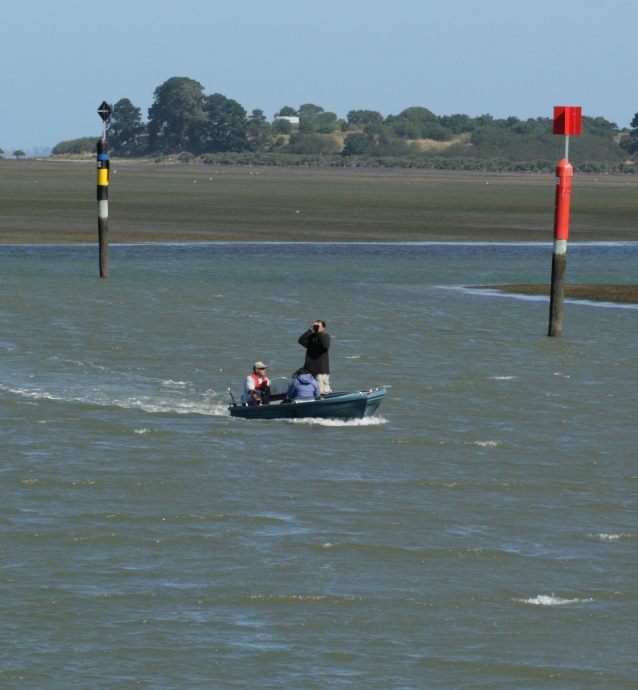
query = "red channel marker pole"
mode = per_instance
[
  {"x": 564, "y": 173},
  {"x": 567, "y": 120}
]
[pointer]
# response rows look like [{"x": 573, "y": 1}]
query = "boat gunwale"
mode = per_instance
[{"x": 283, "y": 409}]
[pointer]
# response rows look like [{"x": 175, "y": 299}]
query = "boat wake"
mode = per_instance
[
  {"x": 184, "y": 402},
  {"x": 152, "y": 402},
  {"x": 546, "y": 600},
  {"x": 366, "y": 421},
  {"x": 611, "y": 537}
]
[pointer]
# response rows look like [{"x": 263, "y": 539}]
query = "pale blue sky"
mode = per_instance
[{"x": 61, "y": 58}]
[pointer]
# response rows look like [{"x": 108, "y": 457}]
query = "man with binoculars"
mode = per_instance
[{"x": 317, "y": 343}]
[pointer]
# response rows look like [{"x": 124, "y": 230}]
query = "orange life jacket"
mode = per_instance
[{"x": 261, "y": 384}]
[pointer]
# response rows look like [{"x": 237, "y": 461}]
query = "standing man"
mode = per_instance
[{"x": 317, "y": 343}]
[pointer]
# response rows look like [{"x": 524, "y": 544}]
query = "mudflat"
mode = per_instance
[
  {"x": 601, "y": 292},
  {"x": 50, "y": 201}
]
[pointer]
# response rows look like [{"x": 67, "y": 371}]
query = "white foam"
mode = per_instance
[
  {"x": 33, "y": 394},
  {"x": 149, "y": 403},
  {"x": 366, "y": 421},
  {"x": 551, "y": 600},
  {"x": 611, "y": 537},
  {"x": 490, "y": 292}
]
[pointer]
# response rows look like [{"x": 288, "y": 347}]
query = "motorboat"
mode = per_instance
[{"x": 340, "y": 405}]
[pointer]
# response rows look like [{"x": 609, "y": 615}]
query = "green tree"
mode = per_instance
[
  {"x": 313, "y": 144},
  {"x": 308, "y": 114},
  {"x": 280, "y": 126},
  {"x": 258, "y": 131},
  {"x": 364, "y": 117},
  {"x": 19, "y": 153},
  {"x": 484, "y": 120},
  {"x": 630, "y": 142},
  {"x": 457, "y": 124},
  {"x": 177, "y": 114},
  {"x": 599, "y": 126},
  {"x": 373, "y": 128},
  {"x": 125, "y": 123},
  {"x": 1, "y": 154},
  {"x": 257, "y": 116},
  {"x": 287, "y": 111},
  {"x": 418, "y": 123},
  {"x": 358, "y": 144},
  {"x": 225, "y": 127},
  {"x": 325, "y": 123},
  {"x": 416, "y": 116},
  {"x": 389, "y": 145}
]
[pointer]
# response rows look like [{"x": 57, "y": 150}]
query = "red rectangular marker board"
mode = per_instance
[{"x": 568, "y": 119}]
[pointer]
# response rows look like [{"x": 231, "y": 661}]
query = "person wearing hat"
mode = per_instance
[{"x": 257, "y": 386}]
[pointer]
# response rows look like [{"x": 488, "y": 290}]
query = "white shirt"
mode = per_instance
[{"x": 249, "y": 385}]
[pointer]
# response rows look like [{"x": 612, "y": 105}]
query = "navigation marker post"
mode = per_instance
[
  {"x": 104, "y": 112},
  {"x": 567, "y": 120}
]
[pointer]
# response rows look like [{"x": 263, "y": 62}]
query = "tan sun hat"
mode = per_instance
[{"x": 259, "y": 365}]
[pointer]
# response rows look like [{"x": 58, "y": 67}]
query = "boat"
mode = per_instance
[{"x": 340, "y": 405}]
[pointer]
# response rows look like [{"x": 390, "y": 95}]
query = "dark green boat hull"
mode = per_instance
[{"x": 332, "y": 406}]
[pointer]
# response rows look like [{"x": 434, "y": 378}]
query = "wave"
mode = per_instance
[
  {"x": 551, "y": 600},
  {"x": 366, "y": 421},
  {"x": 153, "y": 403},
  {"x": 611, "y": 537},
  {"x": 533, "y": 298}
]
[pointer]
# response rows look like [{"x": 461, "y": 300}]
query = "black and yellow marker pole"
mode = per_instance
[
  {"x": 103, "y": 193},
  {"x": 103, "y": 207}
]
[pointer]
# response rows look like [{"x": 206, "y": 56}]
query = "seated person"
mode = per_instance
[
  {"x": 257, "y": 386},
  {"x": 303, "y": 386}
]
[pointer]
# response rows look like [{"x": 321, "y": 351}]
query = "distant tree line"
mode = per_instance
[
  {"x": 184, "y": 122},
  {"x": 630, "y": 142},
  {"x": 18, "y": 153}
]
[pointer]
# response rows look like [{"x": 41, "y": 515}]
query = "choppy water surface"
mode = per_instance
[{"x": 479, "y": 532}]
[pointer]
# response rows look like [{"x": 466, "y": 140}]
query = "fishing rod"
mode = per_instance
[{"x": 228, "y": 386}]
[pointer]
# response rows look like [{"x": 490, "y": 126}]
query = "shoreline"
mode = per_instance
[
  {"x": 594, "y": 292},
  {"x": 48, "y": 202}
]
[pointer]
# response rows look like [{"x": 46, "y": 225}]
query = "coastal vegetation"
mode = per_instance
[{"x": 186, "y": 124}]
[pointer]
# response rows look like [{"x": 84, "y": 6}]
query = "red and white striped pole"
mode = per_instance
[
  {"x": 567, "y": 120},
  {"x": 564, "y": 173}
]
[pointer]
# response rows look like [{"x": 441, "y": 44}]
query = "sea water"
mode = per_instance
[{"x": 479, "y": 531}]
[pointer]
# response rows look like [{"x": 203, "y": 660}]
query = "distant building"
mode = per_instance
[{"x": 294, "y": 120}]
